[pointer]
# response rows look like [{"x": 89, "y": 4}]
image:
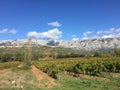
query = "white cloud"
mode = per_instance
[
  {"x": 112, "y": 32},
  {"x": 13, "y": 31},
  {"x": 54, "y": 24},
  {"x": 100, "y": 32},
  {"x": 4, "y": 31},
  {"x": 85, "y": 38},
  {"x": 85, "y": 34},
  {"x": 74, "y": 37},
  {"x": 32, "y": 34},
  {"x": 50, "y": 34},
  {"x": 108, "y": 36}
]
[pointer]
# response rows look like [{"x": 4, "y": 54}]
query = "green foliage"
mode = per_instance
[
  {"x": 72, "y": 83},
  {"x": 24, "y": 67},
  {"x": 116, "y": 52},
  {"x": 9, "y": 65},
  {"x": 18, "y": 54},
  {"x": 38, "y": 52},
  {"x": 89, "y": 66},
  {"x": 11, "y": 54}
]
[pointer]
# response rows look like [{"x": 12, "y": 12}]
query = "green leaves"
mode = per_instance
[{"x": 90, "y": 66}]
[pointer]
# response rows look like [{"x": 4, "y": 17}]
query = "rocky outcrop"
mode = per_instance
[
  {"x": 88, "y": 45},
  {"x": 92, "y": 44}
]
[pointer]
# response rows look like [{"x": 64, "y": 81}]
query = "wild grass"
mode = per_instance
[
  {"x": 7, "y": 65},
  {"x": 71, "y": 83}
]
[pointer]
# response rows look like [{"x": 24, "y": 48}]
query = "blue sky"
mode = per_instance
[{"x": 59, "y": 19}]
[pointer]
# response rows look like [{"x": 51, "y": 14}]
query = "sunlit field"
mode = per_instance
[{"x": 69, "y": 74}]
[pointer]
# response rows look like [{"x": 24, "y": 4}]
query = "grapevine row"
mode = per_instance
[{"x": 87, "y": 66}]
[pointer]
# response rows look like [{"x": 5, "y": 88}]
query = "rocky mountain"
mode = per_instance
[
  {"x": 91, "y": 44},
  {"x": 88, "y": 45}
]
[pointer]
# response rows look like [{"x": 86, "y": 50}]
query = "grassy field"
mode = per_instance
[
  {"x": 14, "y": 78},
  {"x": 25, "y": 80},
  {"x": 71, "y": 83}
]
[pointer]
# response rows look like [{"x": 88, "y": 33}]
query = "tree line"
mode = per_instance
[{"x": 39, "y": 53}]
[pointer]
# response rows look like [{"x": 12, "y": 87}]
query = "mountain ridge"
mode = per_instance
[{"x": 87, "y": 44}]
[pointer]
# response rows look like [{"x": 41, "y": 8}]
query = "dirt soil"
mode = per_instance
[
  {"x": 4, "y": 70},
  {"x": 16, "y": 79},
  {"x": 43, "y": 78}
]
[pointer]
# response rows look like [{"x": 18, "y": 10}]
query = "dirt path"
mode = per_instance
[
  {"x": 4, "y": 70},
  {"x": 43, "y": 78}
]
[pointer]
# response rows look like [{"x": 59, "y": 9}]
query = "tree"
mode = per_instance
[{"x": 28, "y": 53}]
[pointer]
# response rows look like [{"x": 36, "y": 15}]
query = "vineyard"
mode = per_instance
[{"x": 94, "y": 66}]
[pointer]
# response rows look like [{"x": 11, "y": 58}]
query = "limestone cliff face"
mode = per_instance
[
  {"x": 89, "y": 45},
  {"x": 92, "y": 44}
]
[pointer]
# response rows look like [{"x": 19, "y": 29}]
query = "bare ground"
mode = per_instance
[
  {"x": 16, "y": 79},
  {"x": 4, "y": 70},
  {"x": 43, "y": 78}
]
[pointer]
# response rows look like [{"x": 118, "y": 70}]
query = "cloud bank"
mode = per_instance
[
  {"x": 52, "y": 34},
  {"x": 110, "y": 33}
]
